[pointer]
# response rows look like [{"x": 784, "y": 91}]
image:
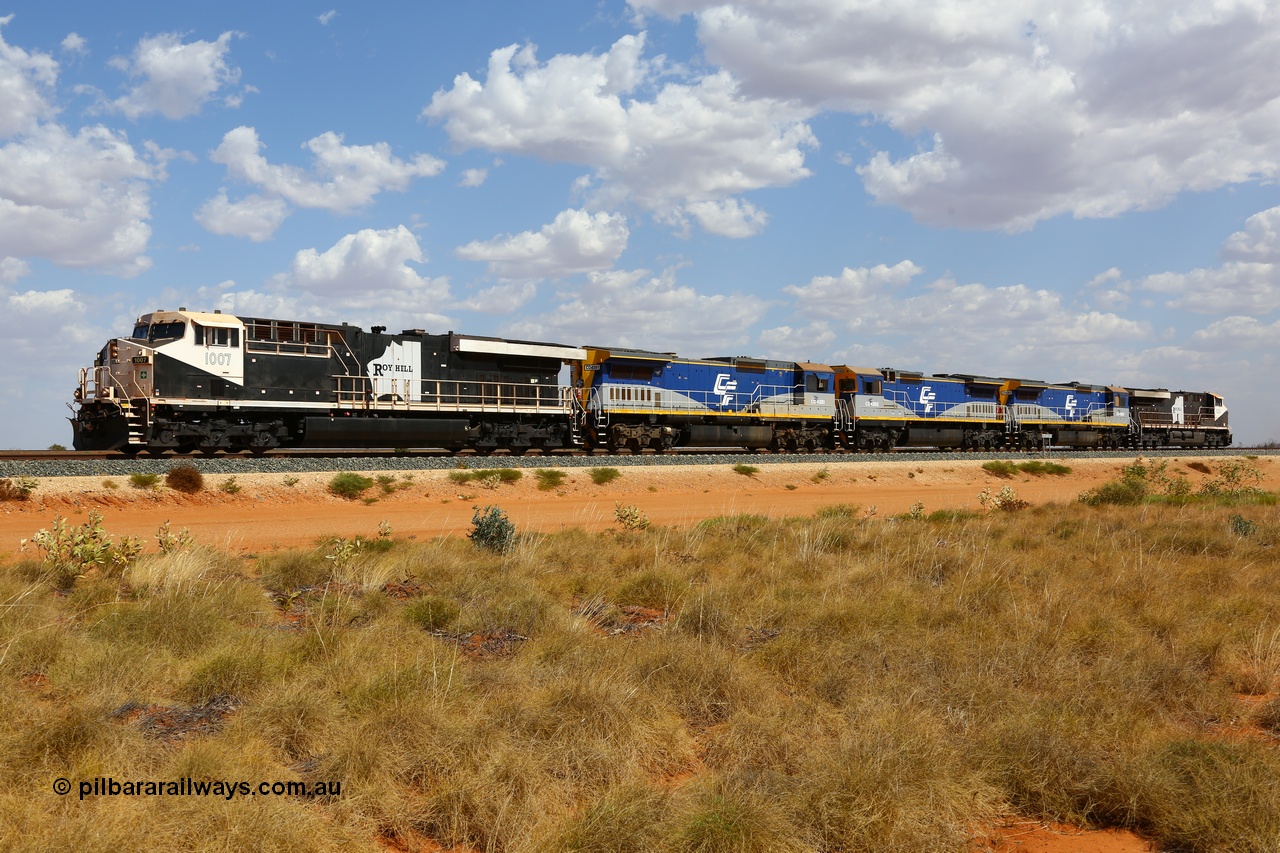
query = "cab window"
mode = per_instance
[
  {"x": 215, "y": 336},
  {"x": 160, "y": 332}
]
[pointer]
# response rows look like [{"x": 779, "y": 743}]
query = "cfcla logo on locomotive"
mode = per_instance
[{"x": 725, "y": 387}]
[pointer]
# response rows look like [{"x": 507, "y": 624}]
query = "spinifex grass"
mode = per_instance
[{"x": 830, "y": 682}]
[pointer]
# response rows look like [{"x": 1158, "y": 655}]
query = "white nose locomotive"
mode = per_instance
[{"x": 188, "y": 380}]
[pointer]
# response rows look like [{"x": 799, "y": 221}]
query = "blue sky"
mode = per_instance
[{"x": 1007, "y": 188}]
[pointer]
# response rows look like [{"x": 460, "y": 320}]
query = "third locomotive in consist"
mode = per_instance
[{"x": 186, "y": 381}]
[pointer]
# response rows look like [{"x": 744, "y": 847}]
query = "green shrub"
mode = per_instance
[
  {"x": 1122, "y": 492},
  {"x": 1241, "y": 526},
  {"x": 492, "y": 529},
  {"x": 19, "y": 491},
  {"x": 1235, "y": 477},
  {"x": 349, "y": 485},
  {"x": 1004, "y": 470},
  {"x": 746, "y": 470},
  {"x": 185, "y": 478},
  {"x": 549, "y": 478},
  {"x": 601, "y": 476},
  {"x": 1039, "y": 468},
  {"x": 70, "y": 551},
  {"x": 432, "y": 612},
  {"x": 229, "y": 486},
  {"x": 1006, "y": 500},
  {"x": 488, "y": 478},
  {"x": 143, "y": 481},
  {"x": 630, "y": 517}
]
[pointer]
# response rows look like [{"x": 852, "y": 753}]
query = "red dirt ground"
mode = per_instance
[{"x": 266, "y": 514}]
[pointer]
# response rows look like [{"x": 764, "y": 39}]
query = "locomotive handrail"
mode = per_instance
[
  {"x": 1147, "y": 417},
  {"x": 440, "y": 395},
  {"x": 976, "y": 409},
  {"x": 669, "y": 400}
]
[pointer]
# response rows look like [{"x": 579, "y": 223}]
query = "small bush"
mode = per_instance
[
  {"x": 1241, "y": 526},
  {"x": 601, "y": 476},
  {"x": 349, "y": 485},
  {"x": 291, "y": 481},
  {"x": 17, "y": 491},
  {"x": 488, "y": 478},
  {"x": 1003, "y": 470},
  {"x": 143, "y": 481},
  {"x": 170, "y": 542},
  {"x": 1006, "y": 500},
  {"x": 57, "y": 447},
  {"x": 1039, "y": 468},
  {"x": 820, "y": 476},
  {"x": 229, "y": 486},
  {"x": 387, "y": 483},
  {"x": 745, "y": 470},
  {"x": 70, "y": 551},
  {"x": 1199, "y": 466},
  {"x": 185, "y": 478},
  {"x": 630, "y": 517},
  {"x": 1234, "y": 478},
  {"x": 110, "y": 484},
  {"x": 1121, "y": 492},
  {"x": 432, "y": 612},
  {"x": 549, "y": 478},
  {"x": 492, "y": 529}
]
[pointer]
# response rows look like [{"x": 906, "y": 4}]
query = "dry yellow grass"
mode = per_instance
[{"x": 832, "y": 682}]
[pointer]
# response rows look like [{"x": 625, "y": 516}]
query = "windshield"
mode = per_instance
[
  {"x": 160, "y": 332},
  {"x": 140, "y": 332}
]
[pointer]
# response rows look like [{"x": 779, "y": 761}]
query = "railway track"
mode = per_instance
[{"x": 63, "y": 463}]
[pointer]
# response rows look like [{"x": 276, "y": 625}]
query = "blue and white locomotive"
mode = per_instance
[{"x": 634, "y": 399}]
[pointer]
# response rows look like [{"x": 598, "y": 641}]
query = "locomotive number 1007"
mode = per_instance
[{"x": 218, "y": 358}]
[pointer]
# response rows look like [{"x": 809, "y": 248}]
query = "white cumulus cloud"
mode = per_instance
[
  {"x": 1259, "y": 241},
  {"x": 697, "y": 142},
  {"x": 254, "y": 216},
  {"x": 1235, "y": 287},
  {"x": 75, "y": 43},
  {"x": 1023, "y": 110},
  {"x": 367, "y": 277},
  {"x": 639, "y": 309},
  {"x": 176, "y": 79},
  {"x": 79, "y": 200},
  {"x": 575, "y": 242},
  {"x": 26, "y": 79},
  {"x": 342, "y": 178}
]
